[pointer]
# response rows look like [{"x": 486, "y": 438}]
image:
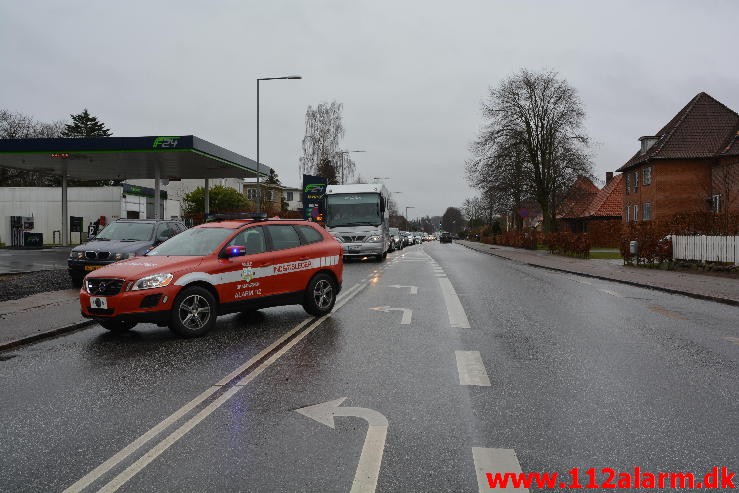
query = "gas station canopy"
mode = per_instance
[{"x": 120, "y": 158}]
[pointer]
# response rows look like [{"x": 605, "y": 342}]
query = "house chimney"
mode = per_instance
[
  {"x": 647, "y": 141},
  {"x": 609, "y": 177}
]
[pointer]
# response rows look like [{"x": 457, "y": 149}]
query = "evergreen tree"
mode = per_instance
[
  {"x": 85, "y": 125},
  {"x": 272, "y": 179}
]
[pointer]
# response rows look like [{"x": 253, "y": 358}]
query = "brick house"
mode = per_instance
[
  {"x": 587, "y": 209},
  {"x": 691, "y": 165}
]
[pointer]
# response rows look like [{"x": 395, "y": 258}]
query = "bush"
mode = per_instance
[
  {"x": 653, "y": 243},
  {"x": 566, "y": 243},
  {"x": 518, "y": 239}
]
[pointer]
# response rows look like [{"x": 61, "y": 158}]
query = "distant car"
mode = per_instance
[
  {"x": 119, "y": 240},
  {"x": 445, "y": 237},
  {"x": 396, "y": 241},
  {"x": 216, "y": 268}
]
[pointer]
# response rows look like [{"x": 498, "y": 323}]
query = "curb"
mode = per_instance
[
  {"x": 45, "y": 335},
  {"x": 716, "y": 299}
]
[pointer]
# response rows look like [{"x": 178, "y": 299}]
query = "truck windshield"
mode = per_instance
[{"x": 353, "y": 209}]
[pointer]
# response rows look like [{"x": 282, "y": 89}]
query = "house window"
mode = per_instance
[
  {"x": 636, "y": 180},
  {"x": 628, "y": 183},
  {"x": 647, "y": 178},
  {"x": 251, "y": 193},
  {"x": 646, "y": 213},
  {"x": 636, "y": 213},
  {"x": 270, "y": 194},
  {"x": 716, "y": 203},
  {"x": 289, "y": 197}
]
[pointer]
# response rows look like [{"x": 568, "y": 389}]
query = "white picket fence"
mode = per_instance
[{"x": 706, "y": 248}]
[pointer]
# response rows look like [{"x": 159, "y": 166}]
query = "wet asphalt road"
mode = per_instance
[{"x": 583, "y": 373}]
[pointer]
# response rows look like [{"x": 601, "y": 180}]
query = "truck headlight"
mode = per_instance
[{"x": 151, "y": 282}]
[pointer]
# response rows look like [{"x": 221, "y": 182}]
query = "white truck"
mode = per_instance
[{"x": 357, "y": 216}]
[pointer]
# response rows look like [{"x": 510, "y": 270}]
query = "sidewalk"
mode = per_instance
[
  {"x": 39, "y": 316},
  {"x": 722, "y": 290}
]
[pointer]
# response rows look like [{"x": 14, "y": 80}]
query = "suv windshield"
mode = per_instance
[
  {"x": 127, "y": 231},
  {"x": 193, "y": 242}
]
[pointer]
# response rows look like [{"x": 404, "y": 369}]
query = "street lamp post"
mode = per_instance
[
  {"x": 342, "y": 154},
  {"x": 406, "y": 213},
  {"x": 259, "y": 165}
]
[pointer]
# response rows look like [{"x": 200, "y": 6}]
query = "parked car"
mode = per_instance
[
  {"x": 216, "y": 268},
  {"x": 445, "y": 237},
  {"x": 119, "y": 240},
  {"x": 396, "y": 241}
]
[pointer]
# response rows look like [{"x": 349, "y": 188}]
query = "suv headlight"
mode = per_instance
[
  {"x": 151, "y": 282},
  {"x": 374, "y": 239},
  {"x": 77, "y": 255}
]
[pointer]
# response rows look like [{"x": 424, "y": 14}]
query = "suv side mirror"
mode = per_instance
[{"x": 233, "y": 251}]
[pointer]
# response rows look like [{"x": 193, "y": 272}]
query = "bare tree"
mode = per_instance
[
  {"x": 452, "y": 220},
  {"x": 20, "y": 126},
  {"x": 322, "y": 143},
  {"x": 532, "y": 143}
]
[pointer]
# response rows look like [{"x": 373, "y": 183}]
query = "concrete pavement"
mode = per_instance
[
  {"x": 39, "y": 316},
  {"x": 720, "y": 289}
]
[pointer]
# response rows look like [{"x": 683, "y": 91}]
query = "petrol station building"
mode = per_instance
[{"x": 163, "y": 159}]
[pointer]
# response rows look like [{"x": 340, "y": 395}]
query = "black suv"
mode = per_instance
[
  {"x": 119, "y": 240},
  {"x": 445, "y": 237}
]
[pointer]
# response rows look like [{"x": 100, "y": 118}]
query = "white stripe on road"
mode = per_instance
[
  {"x": 457, "y": 316},
  {"x": 119, "y": 480},
  {"x": 492, "y": 460},
  {"x": 471, "y": 369}
]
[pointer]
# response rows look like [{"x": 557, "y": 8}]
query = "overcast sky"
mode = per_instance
[{"x": 411, "y": 74}]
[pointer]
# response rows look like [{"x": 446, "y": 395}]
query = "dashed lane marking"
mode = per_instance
[
  {"x": 471, "y": 369},
  {"x": 492, "y": 460},
  {"x": 457, "y": 316}
]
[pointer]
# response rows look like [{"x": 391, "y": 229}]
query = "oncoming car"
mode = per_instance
[{"x": 218, "y": 268}]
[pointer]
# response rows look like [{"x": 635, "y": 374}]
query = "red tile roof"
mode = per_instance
[
  {"x": 610, "y": 200},
  {"x": 580, "y": 195},
  {"x": 702, "y": 129},
  {"x": 732, "y": 146}
]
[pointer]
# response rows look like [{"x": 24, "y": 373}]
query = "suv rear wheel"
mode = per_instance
[
  {"x": 320, "y": 296},
  {"x": 194, "y": 312}
]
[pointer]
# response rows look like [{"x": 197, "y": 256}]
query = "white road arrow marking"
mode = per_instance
[
  {"x": 413, "y": 289},
  {"x": 407, "y": 313},
  {"x": 495, "y": 460},
  {"x": 368, "y": 469}
]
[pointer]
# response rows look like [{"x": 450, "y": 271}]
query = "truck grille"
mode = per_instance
[
  {"x": 90, "y": 255},
  {"x": 104, "y": 287},
  {"x": 353, "y": 238}
]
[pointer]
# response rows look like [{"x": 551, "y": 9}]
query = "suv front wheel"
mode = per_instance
[
  {"x": 320, "y": 296},
  {"x": 194, "y": 312}
]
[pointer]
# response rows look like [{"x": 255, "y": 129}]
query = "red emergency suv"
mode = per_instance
[{"x": 225, "y": 266}]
